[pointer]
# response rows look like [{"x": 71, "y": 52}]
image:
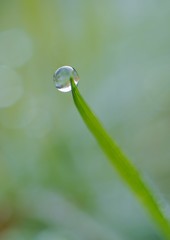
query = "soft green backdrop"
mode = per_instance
[{"x": 55, "y": 183}]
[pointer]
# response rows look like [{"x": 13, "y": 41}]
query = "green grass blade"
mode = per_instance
[{"x": 124, "y": 167}]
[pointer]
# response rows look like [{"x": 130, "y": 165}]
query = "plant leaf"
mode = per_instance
[{"x": 124, "y": 167}]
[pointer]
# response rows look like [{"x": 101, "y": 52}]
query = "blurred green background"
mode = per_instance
[{"x": 55, "y": 183}]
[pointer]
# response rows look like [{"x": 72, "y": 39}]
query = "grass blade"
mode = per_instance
[{"x": 124, "y": 167}]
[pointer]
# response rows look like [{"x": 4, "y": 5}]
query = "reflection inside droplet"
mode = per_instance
[{"x": 62, "y": 77}]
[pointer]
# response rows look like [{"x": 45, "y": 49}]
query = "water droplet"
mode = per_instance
[{"x": 62, "y": 77}]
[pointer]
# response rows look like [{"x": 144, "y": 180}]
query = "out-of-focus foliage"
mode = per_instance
[{"x": 55, "y": 183}]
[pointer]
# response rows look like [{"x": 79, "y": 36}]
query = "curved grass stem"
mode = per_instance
[{"x": 124, "y": 167}]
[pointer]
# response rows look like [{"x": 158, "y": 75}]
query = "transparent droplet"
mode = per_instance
[{"x": 62, "y": 77}]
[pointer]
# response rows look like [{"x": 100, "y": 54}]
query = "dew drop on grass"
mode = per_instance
[{"x": 62, "y": 77}]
